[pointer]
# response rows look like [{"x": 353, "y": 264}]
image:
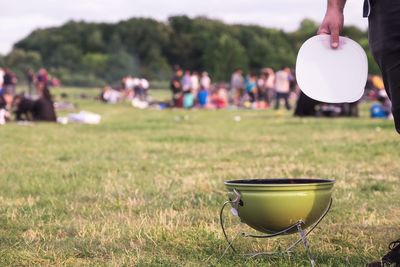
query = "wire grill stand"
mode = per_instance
[{"x": 303, "y": 234}]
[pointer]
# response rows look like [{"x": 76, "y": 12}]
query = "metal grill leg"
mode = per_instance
[{"x": 305, "y": 243}]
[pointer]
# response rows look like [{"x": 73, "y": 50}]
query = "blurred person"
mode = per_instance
[
  {"x": 269, "y": 84},
  {"x": 251, "y": 88},
  {"x": 381, "y": 109},
  {"x": 205, "y": 81},
  {"x": 126, "y": 86},
  {"x": 55, "y": 82},
  {"x": 305, "y": 106},
  {"x": 282, "y": 87},
  {"x": 377, "y": 82},
  {"x": 349, "y": 109},
  {"x": 137, "y": 88},
  {"x": 262, "y": 98},
  {"x": 5, "y": 106},
  {"x": 219, "y": 98},
  {"x": 41, "y": 109},
  {"x": 128, "y": 83},
  {"x": 43, "y": 76},
  {"x": 236, "y": 89},
  {"x": 202, "y": 98},
  {"x": 145, "y": 85},
  {"x": 369, "y": 88},
  {"x": 23, "y": 108},
  {"x": 186, "y": 81},
  {"x": 1, "y": 77},
  {"x": 44, "y": 106},
  {"x": 109, "y": 95},
  {"x": 195, "y": 82},
  {"x": 329, "y": 110},
  {"x": 188, "y": 99},
  {"x": 9, "y": 82},
  {"x": 176, "y": 87},
  {"x": 31, "y": 79}
]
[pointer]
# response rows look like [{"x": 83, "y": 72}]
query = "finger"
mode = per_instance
[{"x": 335, "y": 38}]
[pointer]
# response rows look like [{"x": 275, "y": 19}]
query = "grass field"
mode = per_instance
[{"x": 144, "y": 187}]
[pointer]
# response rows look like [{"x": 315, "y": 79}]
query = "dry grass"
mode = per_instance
[{"x": 145, "y": 187}]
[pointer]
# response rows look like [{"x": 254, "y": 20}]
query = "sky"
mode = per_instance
[{"x": 19, "y": 17}]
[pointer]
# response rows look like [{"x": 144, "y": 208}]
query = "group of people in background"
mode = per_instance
[
  {"x": 189, "y": 89},
  {"x": 34, "y": 105},
  {"x": 131, "y": 88},
  {"x": 268, "y": 89}
]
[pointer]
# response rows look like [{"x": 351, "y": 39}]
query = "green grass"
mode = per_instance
[{"x": 145, "y": 187}]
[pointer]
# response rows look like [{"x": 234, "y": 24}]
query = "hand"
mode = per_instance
[{"x": 332, "y": 24}]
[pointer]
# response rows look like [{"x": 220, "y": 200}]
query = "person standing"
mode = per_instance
[
  {"x": 205, "y": 81},
  {"x": 145, "y": 85},
  {"x": 186, "y": 81},
  {"x": 251, "y": 89},
  {"x": 31, "y": 79},
  {"x": 176, "y": 87},
  {"x": 384, "y": 41},
  {"x": 9, "y": 82},
  {"x": 195, "y": 83},
  {"x": 282, "y": 87},
  {"x": 269, "y": 84},
  {"x": 43, "y": 76},
  {"x": 237, "y": 82}
]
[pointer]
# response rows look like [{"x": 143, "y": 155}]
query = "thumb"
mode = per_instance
[{"x": 335, "y": 38}]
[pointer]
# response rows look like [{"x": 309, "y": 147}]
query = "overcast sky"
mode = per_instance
[{"x": 19, "y": 17}]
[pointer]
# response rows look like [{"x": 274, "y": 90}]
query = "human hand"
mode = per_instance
[{"x": 332, "y": 25}]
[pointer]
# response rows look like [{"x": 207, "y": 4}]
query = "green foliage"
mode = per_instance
[
  {"x": 372, "y": 66},
  {"x": 146, "y": 47},
  {"x": 95, "y": 62},
  {"x": 20, "y": 61},
  {"x": 79, "y": 78},
  {"x": 120, "y": 62},
  {"x": 23, "y": 59},
  {"x": 67, "y": 55},
  {"x": 307, "y": 29},
  {"x": 224, "y": 55}
]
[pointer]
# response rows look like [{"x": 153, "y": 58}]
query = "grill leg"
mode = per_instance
[{"x": 305, "y": 243}]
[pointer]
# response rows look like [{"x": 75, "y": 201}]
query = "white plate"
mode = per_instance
[{"x": 332, "y": 75}]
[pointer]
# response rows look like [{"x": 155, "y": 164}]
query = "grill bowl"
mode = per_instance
[{"x": 273, "y": 205}]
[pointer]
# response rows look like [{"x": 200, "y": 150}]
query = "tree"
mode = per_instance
[
  {"x": 96, "y": 63},
  {"x": 20, "y": 61},
  {"x": 120, "y": 64},
  {"x": 224, "y": 55},
  {"x": 94, "y": 42},
  {"x": 146, "y": 47},
  {"x": 68, "y": 56}
]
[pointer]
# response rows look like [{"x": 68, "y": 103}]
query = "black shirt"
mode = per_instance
[
  {"x": 175, "y": 84},
  {"x": 8, "y": 79},
  {"x": 43, "y": 110}
]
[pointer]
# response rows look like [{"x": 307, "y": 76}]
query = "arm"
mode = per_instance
[{"x": 333, "y": 21}]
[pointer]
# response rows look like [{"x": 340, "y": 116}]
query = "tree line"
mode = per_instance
[{"x": 92, "y": 54}]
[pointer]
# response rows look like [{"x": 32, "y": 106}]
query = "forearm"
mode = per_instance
[{"x": 336, "y": 5}]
